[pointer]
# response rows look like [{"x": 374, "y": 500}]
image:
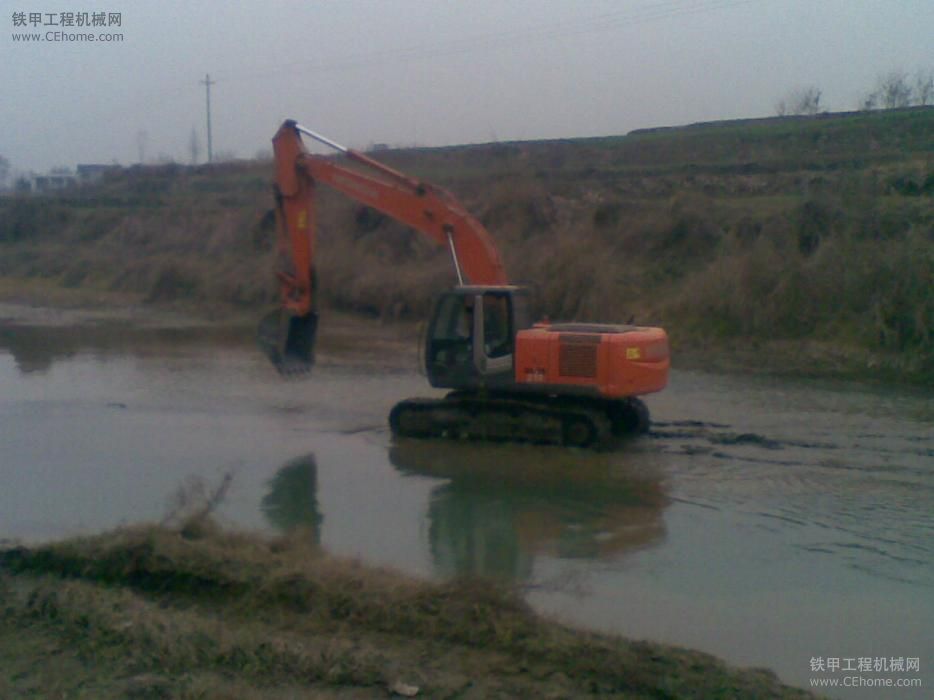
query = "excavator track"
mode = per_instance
[{"x": 590, "y": 423}]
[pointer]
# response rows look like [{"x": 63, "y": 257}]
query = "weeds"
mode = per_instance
[
  {"x": 260, "y": 612},
  {"x": 193, "y": 504},
  {"x": 780, "y": 229}
]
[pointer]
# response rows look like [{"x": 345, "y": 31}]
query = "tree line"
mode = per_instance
[{"x": 893, "y": 90}]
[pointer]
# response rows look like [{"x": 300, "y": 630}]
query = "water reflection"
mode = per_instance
[
  {"x": 292, "y": 499},
  {"x": 36, "y": 348},
  {"x": 503, "y": 505}
]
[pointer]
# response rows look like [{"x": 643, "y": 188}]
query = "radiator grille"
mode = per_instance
[{"x": 577, "y": 356}]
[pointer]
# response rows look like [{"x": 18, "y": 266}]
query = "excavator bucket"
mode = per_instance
[{"x": 288, "y": 339}]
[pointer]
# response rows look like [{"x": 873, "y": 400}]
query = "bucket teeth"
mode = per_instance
[{"x": 291, "y": 368}]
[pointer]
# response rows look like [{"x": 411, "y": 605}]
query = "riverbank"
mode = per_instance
[
  {"x": 33, "y": 302},
  {"x": 796, "y": 245},
  {"x": 192, "y": 611}
]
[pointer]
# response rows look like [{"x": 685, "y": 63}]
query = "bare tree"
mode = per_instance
[
  {"x": 869, "y": 102},
  {"x": 194, "y": 146},
  {"x": 808, "y": 101},
  {"x": 894, "y": 90},
  {"x": 805, "y": 100},
  {"x": 4, "y": 171},
  {"x": 924, "y": 87}
]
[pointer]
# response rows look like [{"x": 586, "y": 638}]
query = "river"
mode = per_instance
[{"x": 781, "y": 524}]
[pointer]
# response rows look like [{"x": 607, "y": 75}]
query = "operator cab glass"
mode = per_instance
[
  {"x": 471, "y": 338},
  {"x": 497, "y": 338}
]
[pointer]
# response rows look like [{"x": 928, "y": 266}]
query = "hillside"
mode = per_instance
[{"x": 801, "y": 243}]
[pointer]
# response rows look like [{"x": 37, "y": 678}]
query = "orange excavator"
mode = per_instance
[{"x": 575, "y": 384}]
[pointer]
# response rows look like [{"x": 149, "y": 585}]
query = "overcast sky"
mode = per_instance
[{"x": 428, "y": 72}]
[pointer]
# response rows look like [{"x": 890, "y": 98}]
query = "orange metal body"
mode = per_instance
[
  {"x": 608, "y": 364},
  {"x": 604, "y": 361},
  {"x": 426, "y": 208}
]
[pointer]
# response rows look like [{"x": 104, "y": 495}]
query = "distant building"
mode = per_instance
[
  {"x": 60, "y": 179},
  {"x": 53, "y": 183},
  {"x": 23, "y": 184},
  {"x": 92, "y": 172}
]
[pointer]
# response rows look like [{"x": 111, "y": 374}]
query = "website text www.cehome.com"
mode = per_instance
[
  {"x": 67, "y": 37},
  {"x": 865, "y": 682}
]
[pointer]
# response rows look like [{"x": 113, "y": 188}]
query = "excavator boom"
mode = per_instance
[{"x": 287, "y": 335}]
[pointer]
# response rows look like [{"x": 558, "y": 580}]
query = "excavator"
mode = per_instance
[{"x": 509, "y": 378}]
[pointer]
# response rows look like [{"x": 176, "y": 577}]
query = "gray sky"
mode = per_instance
[{"x": 430, "y": 72}]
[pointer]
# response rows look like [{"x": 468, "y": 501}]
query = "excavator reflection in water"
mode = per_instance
[
  {"x": 500, "y": 507},
  {"x": 292, "y": 500}
]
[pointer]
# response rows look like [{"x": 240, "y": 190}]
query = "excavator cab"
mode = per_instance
[{"x": 471, "y": 336}]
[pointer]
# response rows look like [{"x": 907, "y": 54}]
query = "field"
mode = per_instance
[{"x": 799, "y": 244}]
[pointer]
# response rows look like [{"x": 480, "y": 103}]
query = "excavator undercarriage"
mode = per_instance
[{"x": 547, "y": 420}]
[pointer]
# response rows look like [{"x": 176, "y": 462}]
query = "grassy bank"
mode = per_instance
[
  {"x": 194, "y": 612},
  {"x": 804, "y": 244}
]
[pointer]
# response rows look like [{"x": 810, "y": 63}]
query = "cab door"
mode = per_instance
[
  {"x": 449, "y": 345},
  {"x": 493, "y": 326},
  {"x": 471, "y": 339}
]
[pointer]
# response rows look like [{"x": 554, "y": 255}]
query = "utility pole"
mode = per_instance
[{"x": 207, "y": 82}]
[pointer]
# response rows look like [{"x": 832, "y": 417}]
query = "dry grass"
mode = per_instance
[
  {"x": 178, "y": 613},
  {"x": 731, "y": 233}
]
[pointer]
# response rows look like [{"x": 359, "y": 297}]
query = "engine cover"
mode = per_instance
[{"x": 612, "y": 361}]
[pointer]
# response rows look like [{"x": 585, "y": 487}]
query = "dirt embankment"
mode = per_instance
[
  {"x": 193, "y": 612},
  {"x": 801, "y": 239}
]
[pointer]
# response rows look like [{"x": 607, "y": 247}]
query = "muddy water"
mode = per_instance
[{"x": 770, "y": 523}]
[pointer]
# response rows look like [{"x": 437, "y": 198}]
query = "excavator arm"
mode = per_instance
[{"x": 288, "y": 334}]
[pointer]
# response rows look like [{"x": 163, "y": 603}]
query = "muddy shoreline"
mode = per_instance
[
  {"x": 191, "y": 611},
  {"x": 49, "y": 306}
]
